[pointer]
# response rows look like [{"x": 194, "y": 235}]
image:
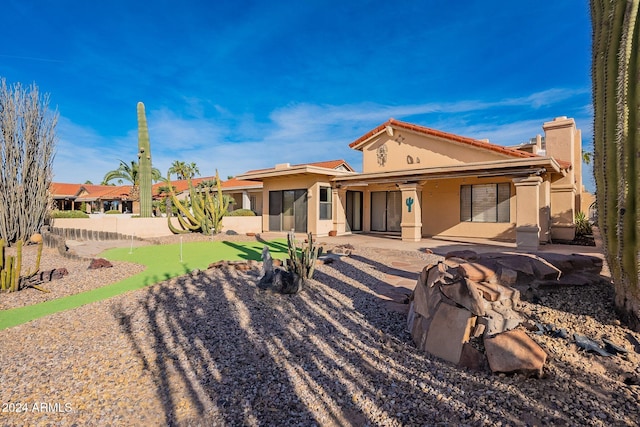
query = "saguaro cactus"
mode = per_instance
[
  {"x": 616, "y": 101},
  {"x": 144, "y": 163}
]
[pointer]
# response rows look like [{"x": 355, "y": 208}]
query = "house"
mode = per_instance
[
  {"x": 420, "y": 182},
  {"x": 245, "y": 194},
  {"x": 97, "y": 198},
  {"x": 103, "y": 198},
  {"x": 299, "y": 197}
]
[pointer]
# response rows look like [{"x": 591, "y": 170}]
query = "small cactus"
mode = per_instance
[
  {"x": 11, "y": 277},
  {"x": 302, "y": 260}
]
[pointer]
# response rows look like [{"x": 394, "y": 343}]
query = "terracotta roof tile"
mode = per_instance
[
  {"x": 440, "y": 134},
  {"x": 60, "y": 189},
  {"x": 329, "y": 164}
]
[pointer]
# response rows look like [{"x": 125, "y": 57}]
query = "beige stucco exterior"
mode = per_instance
[{"x": 413, "y": 177}]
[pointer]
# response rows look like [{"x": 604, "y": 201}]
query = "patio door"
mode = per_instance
[
  {"x": 354, "y": 210},
  {"x": 386, "y": 210},
  {"x": 288, "y": 210}
]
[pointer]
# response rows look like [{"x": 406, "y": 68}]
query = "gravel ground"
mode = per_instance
[{"x": 210, "y": 348}]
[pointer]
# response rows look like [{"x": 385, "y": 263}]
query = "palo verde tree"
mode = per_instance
[
  {"x": 27, "y": 144},
  {"x": 616, "y": 101}
]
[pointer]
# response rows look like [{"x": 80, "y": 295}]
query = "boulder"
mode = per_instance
[
  {"x": 514, "y": 351},
  {"x": 448, "y": 331},
  {"x": 99, "y": 263},
  {"x": 477, "y": 272}
]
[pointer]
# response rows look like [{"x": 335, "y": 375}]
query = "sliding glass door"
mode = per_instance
[
  {"x": 386, "y": 210},
  {"x": 288, "y": 210}
]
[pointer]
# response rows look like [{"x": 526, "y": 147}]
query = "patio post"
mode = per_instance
[
  {"x": 527, "y": 213},
  {"x": 339, "y": 202},
  {"x": 411, "y": 212}
]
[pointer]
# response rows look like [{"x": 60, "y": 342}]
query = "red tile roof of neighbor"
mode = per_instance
[
  {"x": 58, "y": 189},
  {"x": 445, "y": 135},
  {"x": 329, "y": 164},
  {"x": 181, "y": 185}
]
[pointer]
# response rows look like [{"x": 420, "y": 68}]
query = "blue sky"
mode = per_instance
[{"x": 239, "y": 85}]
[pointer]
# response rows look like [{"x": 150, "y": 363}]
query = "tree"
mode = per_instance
[
  {"x": 615, "y": 71},
  {"x": 586, "y": 157},
  {"x": 27, "y": 143},
  {"x": 130, "y": 173},
  {"x": 183, "y": 170}
]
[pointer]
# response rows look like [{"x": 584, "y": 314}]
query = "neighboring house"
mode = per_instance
[
  {"x": 98, "y": 198},
  {"x": 246, "y": 194},
  {"x": 420, "y": 182},
  {"x": 102, "y": 198}
]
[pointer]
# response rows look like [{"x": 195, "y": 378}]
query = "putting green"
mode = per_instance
[{"x": 163, "y": 262}]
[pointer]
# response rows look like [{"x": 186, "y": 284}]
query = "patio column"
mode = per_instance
[
  {"x": 339, "y": 203},
  {"x": 527, "y": 213},
  {"x": 411, "y": 212},
  {"x": 246, "y": 201}
]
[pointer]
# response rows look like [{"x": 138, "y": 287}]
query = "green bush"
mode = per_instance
[
  {"x": 583, "y": 226},
  {"x": 112, "y": 212},
  {"x": 68, "y": 214},
  {"x": 241, "y": 212}
]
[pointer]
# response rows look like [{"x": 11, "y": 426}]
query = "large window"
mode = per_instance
[
  {"x": 485, "y": 202},
  {"x": 325, "y": 202}
]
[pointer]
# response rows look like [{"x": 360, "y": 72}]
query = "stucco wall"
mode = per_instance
[
  {"x": 441, "y": 212},
  {"x": 419, "y": 151},
  {"x": 150, "y": 227},
  {"x": 312, "y": 184}
]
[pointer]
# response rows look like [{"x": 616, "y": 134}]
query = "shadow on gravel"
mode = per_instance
[{"x": 223, "y": 352}]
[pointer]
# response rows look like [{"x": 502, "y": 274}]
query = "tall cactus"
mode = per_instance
[
  {"x": 616, "y": 101},
  {"x": 144, "y": 164}
]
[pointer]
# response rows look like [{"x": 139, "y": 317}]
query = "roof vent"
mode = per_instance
[{"x": 283, "y": 166}]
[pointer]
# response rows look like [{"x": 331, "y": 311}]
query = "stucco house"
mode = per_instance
[
  {"x": 102, "y": 198},
  {"x": 420, "y": 182},
  {"x": 98, "y": 198}
]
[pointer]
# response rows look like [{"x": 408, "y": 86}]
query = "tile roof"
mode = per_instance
[
  {"x": 181, "y": 185},
  {"x": 440, "y": 134},
  {"x": 329, "y": 164},
  {"x": 60, "y": 189}
]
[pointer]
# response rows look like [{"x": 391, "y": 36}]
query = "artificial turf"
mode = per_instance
[{"x": 162, "y": 261}]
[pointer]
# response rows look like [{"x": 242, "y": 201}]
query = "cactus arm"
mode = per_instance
[
  {"x": 173, "y": 229},
  {"x": 17, "y": 266},
  {"x": 38, "y": 258}
]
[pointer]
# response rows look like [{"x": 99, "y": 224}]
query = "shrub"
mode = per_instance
[
  {"x": 241, "y": 212},
  {"x": 112, "y": 212},
  {"x": 68, "y": 214},
  {"x": 583, "y": 226}
]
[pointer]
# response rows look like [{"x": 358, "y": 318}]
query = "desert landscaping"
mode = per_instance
[{"x": 211, "y": 348}]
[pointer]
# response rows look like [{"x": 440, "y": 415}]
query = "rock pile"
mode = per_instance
[
  {"x": 471, "y": 296},
  {"x": 456, "y": 300}
]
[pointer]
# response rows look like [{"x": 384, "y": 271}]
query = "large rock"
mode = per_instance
[
  {"x": 514, "y": 351},
  {"x": 477, "y": 272},
  {"x": 448, "y": 331}
]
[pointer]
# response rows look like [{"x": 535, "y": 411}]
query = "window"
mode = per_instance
[
  {"x": 325, "y": 202},
  {"x": 485, "y": 202},
  {"x": 253, "y": 204}
]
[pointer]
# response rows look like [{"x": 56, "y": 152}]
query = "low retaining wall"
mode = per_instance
[{"x": 111, "y": 227}]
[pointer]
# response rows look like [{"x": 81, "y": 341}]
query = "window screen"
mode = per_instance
[{"x": 485, "y": 202}]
